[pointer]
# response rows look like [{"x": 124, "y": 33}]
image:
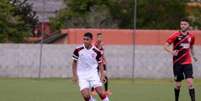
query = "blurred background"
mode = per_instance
[{"x": 37, "y": 37}]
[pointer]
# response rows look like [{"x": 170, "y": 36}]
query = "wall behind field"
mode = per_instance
[
  {"x": 151, "y": 61},
  {"x": 125, "y": 36}
]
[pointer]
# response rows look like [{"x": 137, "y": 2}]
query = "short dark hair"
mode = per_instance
[
  {"x": 89, "y": 35},
  {"x": 99, "y": 34},
  {"x": 185, "y": 19}
]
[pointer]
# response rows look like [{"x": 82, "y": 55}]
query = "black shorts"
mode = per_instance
[{"x": 182, "y": 71}]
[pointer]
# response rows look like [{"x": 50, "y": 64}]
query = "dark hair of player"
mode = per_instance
[
  {"x": 185, "y": 19},
  {"x": 89, "y": 35},
  {"x": 99, "y": 34}
]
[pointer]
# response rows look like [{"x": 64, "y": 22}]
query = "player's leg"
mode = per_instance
[
  {"x": 178, "y": 77},
  {"x": 85, "y": 91},
  {"x": 107, "y": 91},
  {"x": 93, "y": 91},
  {"x": 188, "y": 71},
  {"x": 177, "y": 90},
  {"x": 86, "y": 94},
  {"x": 106, "y": 83},
  {"x": 191, "y": 88},
  {"x": 96, "y": 83},
  {"x": 101, "y": 93},
  {"x": 106, "y": 78}
]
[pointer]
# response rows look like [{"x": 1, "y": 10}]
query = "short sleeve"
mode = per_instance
[
  {"x": 99, "y": 57},
  {"x": 171, "y": 38},
  {"x": 75, "y": 55}
]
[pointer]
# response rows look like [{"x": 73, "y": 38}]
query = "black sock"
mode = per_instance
[
  {"x": 192, "y": 94},
  {"x": 106, "y": 84},
  {"x": 176, "y": 91}
]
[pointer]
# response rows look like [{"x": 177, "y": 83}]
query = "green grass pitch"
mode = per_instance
[{"x": 65, "y": 90}]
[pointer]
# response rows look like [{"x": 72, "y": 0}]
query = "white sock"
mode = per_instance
[
  {"x": 106, "y": 99},
  {"x": 92, "y": 99}
]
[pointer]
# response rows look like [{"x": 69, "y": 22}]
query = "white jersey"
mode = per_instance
[{"x": 87, "y": 60}]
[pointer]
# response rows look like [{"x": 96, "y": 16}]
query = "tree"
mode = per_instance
[
  {"x": 24, "y": 9},
  {"x": 151, "y": 14},
  {"x": 89, "y": 14},
  {"x": 15, "y": 25},
  {"x": 7, "y": 21},
  {"x": 160, "y": 14},
  {"x": 195, "y": 16}
]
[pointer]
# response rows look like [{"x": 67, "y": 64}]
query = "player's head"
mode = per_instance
[
  {"x": 99, "y": 37},
  {"x": 87, "y": 39},
  {"x": 184, "y": 24}
]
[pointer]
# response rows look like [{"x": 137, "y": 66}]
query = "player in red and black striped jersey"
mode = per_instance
[
  {"x": 183, "y": 53},
  {"x": 99, "y": 45}
]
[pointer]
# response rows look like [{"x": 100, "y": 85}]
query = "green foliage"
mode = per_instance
[
  {"x": 85, "y": 14},
  {"x": 15, "y": 22},
  {"x": 160, "y": 14},
  {"x": 24, "y": 9},
  {"x": 151, "y": 14},
  {"x": 195, "y": 17},
  {"x": 8, "y": 22},
  {"x": 123, "y": 12}
]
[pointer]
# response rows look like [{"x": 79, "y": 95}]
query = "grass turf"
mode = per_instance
[{"x": 65, "y": 90}]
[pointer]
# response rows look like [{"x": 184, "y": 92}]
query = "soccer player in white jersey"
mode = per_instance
[{"x": 86, "y": 58}]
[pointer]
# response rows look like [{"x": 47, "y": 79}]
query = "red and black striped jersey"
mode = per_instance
[{"x": 182, "y": 43}]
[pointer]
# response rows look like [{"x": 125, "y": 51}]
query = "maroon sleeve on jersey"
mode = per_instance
[
  {"x": 171, "y": 39},
  {"x": 75, "y": 54},
  {"x": 99, "y": 57}
]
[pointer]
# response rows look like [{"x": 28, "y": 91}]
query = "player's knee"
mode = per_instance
[
  {"x": 190, "y": 83},
  {"x": 85, "y": 94},
  {"x": 102, "y": 95},
  {"x": 178, "y": 85},
  {"x": 86, "y": 97},
  {"x": 100, "y": 92}
]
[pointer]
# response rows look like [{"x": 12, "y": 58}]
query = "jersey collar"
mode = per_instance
[{"x": 88, "y": 49}]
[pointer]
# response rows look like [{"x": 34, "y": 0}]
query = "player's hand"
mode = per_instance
[
  {"x": 175, "y": 52},
  {"x": 103, "y": 79},
  {"x": 75, "y": 79},
  {"x": 195, "y": 59}
]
